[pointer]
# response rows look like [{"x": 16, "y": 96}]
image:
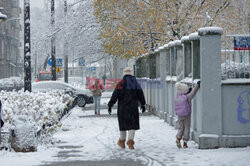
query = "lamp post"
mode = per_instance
[
  {"x": 53, "y": 39},
  {"x": 66, "y": 75},
  {"x": 27, "y": 51}
]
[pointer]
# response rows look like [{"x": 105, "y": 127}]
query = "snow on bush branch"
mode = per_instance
[
  {"x": 42, "y": 109},
  {"x": 232, "y": 69}
]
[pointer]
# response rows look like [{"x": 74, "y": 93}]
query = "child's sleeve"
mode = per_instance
[{"x": 192, "y": 93}]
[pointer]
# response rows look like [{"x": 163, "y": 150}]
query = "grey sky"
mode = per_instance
[{"x": 36, "y": 3}]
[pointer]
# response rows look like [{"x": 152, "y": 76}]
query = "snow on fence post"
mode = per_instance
[{"x": 210, "y": 99}]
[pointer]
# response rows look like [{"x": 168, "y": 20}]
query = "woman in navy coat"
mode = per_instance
[{"x": 129, "y": 93}]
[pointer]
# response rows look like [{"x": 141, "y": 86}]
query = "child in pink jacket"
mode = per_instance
[{"x": 183, "y": 111}]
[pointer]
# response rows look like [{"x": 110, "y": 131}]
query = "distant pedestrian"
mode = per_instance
[
  {"x": 97, "y": 89},
  {"x": 183, "y": 111},
  {"x": 128, "y": 92}
]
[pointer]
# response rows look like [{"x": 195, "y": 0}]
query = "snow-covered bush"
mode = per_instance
[
  {"x": 23, "y": 135},
  {"x": 41, "y": 109},
  {"x": 230, "y": 69}
]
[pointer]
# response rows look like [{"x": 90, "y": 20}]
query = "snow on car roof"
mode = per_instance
[{"x": 52, "y": 84}]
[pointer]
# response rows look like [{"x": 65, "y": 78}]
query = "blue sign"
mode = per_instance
[
  {"x": 81, "y": 61},
  {"x": 242, "y": 43},
  {"x": 91, "y": 69},
  {"x": 58, "y": 62}
]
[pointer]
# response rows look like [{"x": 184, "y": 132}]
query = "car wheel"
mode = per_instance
[{"x": 81, "y": 102}]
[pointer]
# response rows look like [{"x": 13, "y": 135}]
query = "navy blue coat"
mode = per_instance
[{"x": 128, "y": 92}]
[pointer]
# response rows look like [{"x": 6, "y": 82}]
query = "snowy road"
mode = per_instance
[{"x": 87, "y": 139}]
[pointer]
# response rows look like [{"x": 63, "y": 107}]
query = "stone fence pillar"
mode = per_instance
[
  {"x": 171, "y": 84},
  {"x": 194, "y": 39},
  {"x": 162, "y": 87},
  {"x": 210, "y": 99}
]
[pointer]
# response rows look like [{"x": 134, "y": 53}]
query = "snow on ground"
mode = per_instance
[{"x": 87, "y": 137}]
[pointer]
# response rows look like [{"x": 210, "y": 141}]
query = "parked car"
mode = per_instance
[
  {"x": 11, "y": 83},
  {"x": 18, "y": 82},
  {"x": 7, "y": 84},
  {"x": 81, "y": 97}
]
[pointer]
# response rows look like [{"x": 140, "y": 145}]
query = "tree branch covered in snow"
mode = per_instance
[{"x": 79, "y": 29}]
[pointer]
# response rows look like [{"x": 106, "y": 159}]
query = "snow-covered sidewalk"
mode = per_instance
[{"x": 87, "y": 139}]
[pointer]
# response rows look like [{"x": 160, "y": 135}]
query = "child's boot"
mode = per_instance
[
  {"x": 178, "y": 142},
  {"x": 185, "y": 144},
  {"x": 121, "y": 143}
]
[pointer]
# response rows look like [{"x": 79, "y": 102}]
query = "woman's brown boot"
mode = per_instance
[
  {"x": 121, "y": 143},
  {"x": 130, "y": 144}
]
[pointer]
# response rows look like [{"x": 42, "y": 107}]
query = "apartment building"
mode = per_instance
[{"x": 10, "y": 59}]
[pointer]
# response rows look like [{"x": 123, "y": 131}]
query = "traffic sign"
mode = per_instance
[
  {"x": 91, "y": 69},
  {"x": 58, "y": 62},
  {"x": 81, "y": 61},
  {"x": 242, "y": 43},
  {"x": 58, "y": 69}
]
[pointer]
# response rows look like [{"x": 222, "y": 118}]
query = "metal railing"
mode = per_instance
[{"x": 235, "y": 57}]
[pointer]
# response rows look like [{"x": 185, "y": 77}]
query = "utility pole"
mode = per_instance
[
  {"x": 27, "y": 51},
  {"x": 53, "y": 38},
  {"x": 66, "y": 75}
]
